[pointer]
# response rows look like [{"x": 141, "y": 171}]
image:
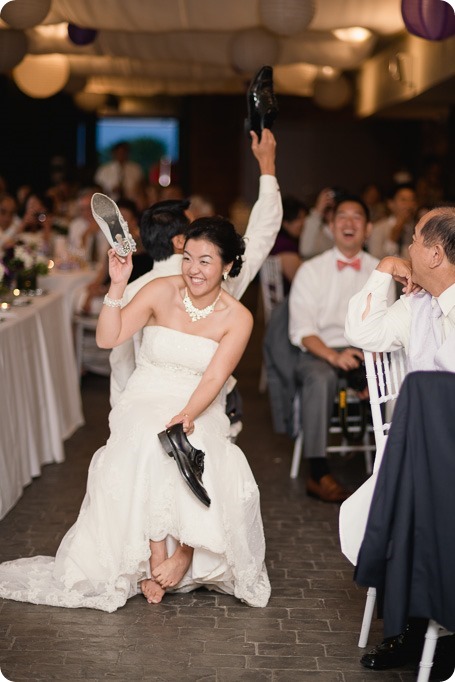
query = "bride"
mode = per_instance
[{"x": 140, "y": 527}]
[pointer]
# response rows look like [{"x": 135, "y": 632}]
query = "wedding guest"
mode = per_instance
[
  {"x": 286, "y": 245},
  {"x": 318, "y": 302},
  {"x": 9, "y": 221},
  {"x": 84, "y": 236},
  {"x": 392, "y": 235},
  {"x": 120, "y": 177}
]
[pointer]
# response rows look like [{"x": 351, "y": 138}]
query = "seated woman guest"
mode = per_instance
[
  {"x": 287, "y": 242},
  {"x": 141, "y": 527}
]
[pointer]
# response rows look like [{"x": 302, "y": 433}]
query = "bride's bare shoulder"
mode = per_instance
[{"x": 238, "y": 312}]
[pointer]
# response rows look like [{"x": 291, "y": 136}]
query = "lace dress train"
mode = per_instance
[{"x": 135, "y": 493}]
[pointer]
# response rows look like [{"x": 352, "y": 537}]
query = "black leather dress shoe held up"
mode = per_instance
[
  {"x": 261, "y": 102},
  {"x": 190, "y": 461}
]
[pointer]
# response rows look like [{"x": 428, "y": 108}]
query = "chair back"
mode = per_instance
[
  {"x": 385, "y": 374},
  {"x": 272, "y": 290}
]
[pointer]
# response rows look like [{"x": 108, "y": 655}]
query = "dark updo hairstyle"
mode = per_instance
[{"x": 221, "y": 233}]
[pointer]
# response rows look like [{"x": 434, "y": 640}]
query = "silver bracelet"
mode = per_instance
[{"x": 112, "y": 302}]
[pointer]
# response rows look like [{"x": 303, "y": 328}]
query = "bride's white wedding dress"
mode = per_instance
[{"x": 136, "y": 493}]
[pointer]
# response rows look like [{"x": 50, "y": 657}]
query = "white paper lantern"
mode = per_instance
[
  {"x": 332, "y": 94},
  {"x": 286, "y": 17},
  {"x": 90, "y": 101},
  {"x": 25, "y": 13},
  {"x": 295, "y": 79},
  {"x": 42, "y": 76},
  {"x": 253, "y": 48},
  {"x": 13, "y": 48}
]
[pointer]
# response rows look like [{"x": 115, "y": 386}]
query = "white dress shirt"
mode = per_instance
[
  {"x": 320, "y": 294},
  {"x": 388, "y": 328},
  {"x": 77, "y": 229},
  {"x": 263, "y": 226},
  {"x": 113, "y": 174},
  {"x": 379, "y": 243}
]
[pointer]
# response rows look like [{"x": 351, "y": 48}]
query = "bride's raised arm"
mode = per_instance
[
  {"x": 223, "y": 363},
  {"x": 117, "y": 324}
]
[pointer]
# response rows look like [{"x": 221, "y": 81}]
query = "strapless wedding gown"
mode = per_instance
[{"x": 136, "y": 493}]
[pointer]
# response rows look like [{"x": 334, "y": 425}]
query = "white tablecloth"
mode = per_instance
[
  {"x": 70, "y": 282},
  {"x": 41, "y": 402}
]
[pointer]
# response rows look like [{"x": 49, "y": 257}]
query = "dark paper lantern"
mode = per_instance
[
  {"x": 81, "y": 36},
  {"x": 429, "y": 19}
]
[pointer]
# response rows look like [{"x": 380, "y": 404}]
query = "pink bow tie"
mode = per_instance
[{"x": 356, "y": 263}]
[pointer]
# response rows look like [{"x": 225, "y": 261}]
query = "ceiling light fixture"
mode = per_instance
[{"x": 354, "y": 34}]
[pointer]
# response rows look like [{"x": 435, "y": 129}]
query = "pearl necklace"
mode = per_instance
[{"x": 198, "y": 313}]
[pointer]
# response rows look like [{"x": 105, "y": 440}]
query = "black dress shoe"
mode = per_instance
[
  {"x": 261, "y": 102},
  {"x": 189, "y": 460},
  {"x": 393, "y": 652}
]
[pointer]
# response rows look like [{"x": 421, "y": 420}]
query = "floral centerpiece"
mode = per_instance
[{"x": 23, "y": 263}]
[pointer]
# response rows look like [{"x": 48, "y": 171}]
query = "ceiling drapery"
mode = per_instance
[{"x": 146, "y": 47}]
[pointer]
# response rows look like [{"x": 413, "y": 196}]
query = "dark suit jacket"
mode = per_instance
[{"x": 408, "y": 549}]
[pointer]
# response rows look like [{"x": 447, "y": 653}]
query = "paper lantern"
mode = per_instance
[
  {"x": 81, "y": 36},
  {"x": 25, "y": 13},
  {"x": 13, "y": 48},
  {"x": 90, "y": 101},
  {"x": 332, "y": 94},
  {"x": 286, "y": 17},
  {"x": 252, "y": 48},
  {"x": 42, "y": 76},
  {"x": 429, "y": 19}
]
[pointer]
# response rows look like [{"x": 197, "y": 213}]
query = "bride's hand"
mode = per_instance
[
  {"x": 120, "y": 267},
  {"x": 182, "y": 418}
]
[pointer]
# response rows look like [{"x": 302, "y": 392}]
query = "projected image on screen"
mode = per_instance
[{"x": 151, "y": 140}]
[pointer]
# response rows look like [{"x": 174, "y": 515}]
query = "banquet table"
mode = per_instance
[
  {"x": 41, "y": 401},
  {"x": 70, "y": 282}
]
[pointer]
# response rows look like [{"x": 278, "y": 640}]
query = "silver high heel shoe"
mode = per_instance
[{"x": 114, "y": 227}]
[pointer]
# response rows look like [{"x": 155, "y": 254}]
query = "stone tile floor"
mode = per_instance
[{"x": 308, "y": 631}]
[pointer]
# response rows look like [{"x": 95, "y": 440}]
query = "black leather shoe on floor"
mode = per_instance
[
  {"x": 393, "y": 652},
  {"x": 190, "y": 461},
  {"x": 261, "y": 102}
]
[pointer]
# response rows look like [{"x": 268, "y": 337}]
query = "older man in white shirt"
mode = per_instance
[
  {"x": 318, "y": 303},
  {"x": 260, "y": 235},
  {"x": 422, "y": 322}
]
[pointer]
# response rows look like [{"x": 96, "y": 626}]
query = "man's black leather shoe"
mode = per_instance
[
  {"x": 261, "y": 102},
  {"x": 393, "y": 652},
  {"x": 190, "y": 461}
]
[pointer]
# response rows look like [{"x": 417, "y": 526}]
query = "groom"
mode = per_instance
[{"x": 163, "y": 228}]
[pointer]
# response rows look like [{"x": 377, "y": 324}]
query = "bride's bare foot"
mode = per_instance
[
  {"x": 170, "y": 572},
  {"x": 152, "y": 591}
]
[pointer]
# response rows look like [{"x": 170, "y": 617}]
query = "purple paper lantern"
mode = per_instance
[
  {"x": 429, "y": 19},
  {"x": 81, "y": 36}
]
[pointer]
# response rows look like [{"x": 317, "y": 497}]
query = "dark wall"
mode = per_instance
[
  {"x": 316, "y": 148},
  {"x": 32, "y": 131}
]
